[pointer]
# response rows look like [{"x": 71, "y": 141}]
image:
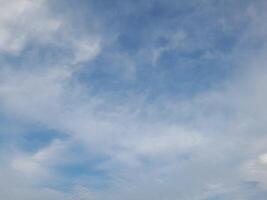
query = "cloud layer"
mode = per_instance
[{"x": 133, "y": 100}]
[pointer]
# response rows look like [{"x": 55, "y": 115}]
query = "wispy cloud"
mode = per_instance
[{"x": 152, "y": 100}]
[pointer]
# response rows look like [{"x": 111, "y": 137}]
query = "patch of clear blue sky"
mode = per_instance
[
  {"x": 26, "y": 137},
  {"x": 138, "y": 28},
  {"x": 141, "y": 26}
]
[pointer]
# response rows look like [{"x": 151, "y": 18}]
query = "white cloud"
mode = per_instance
[
  {"x": 163, "y": 140},
  {"x": 154, "y": 151},
  {"x": 23, "y": 20},
  {"x": 38, "y": 164},
  {"x": 26, "y": 21}
]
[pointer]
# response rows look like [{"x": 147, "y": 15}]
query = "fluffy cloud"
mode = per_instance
[
  {"x": 22, "y": 21},
  {"x": 26, "y": 22}
]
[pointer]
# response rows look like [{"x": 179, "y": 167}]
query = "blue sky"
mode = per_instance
[{"x": 136, "y": 100}]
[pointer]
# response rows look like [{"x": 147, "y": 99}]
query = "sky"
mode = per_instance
[{"x": 133, "y": 99}]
